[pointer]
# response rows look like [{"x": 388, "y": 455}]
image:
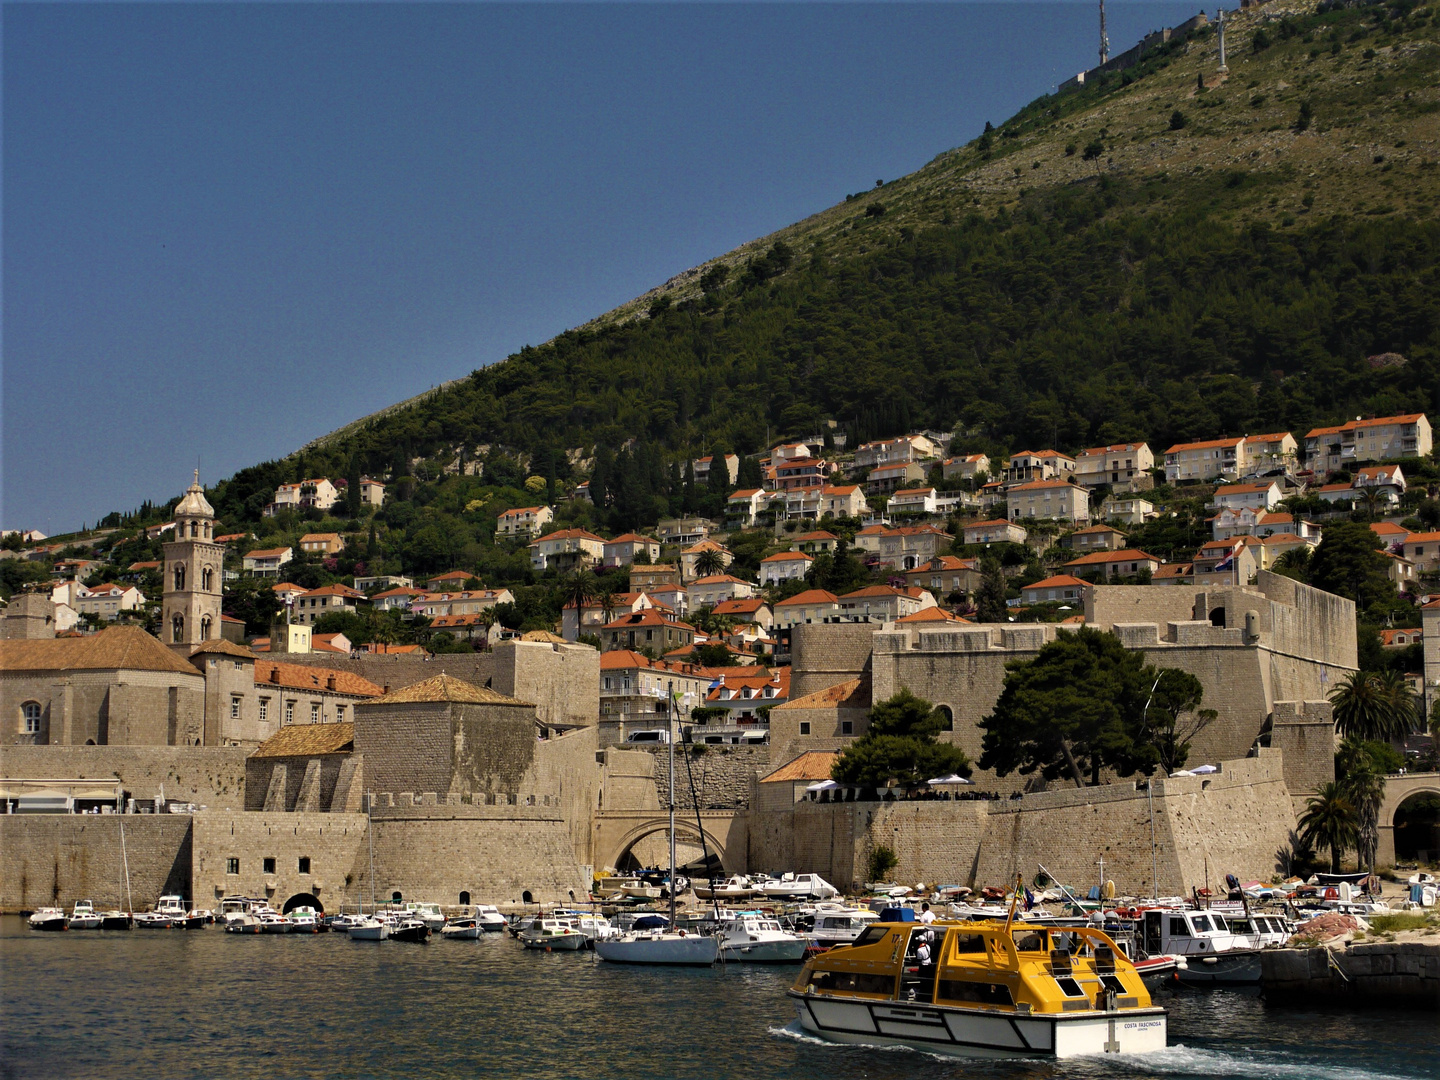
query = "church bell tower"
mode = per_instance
[{"x": 194, "y": 571}]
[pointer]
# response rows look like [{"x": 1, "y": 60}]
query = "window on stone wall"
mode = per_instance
[
  {"x": 232, "y": 866},
  {"x": 339, "y": 714},
  {"x": 235, "y": 708},
  {"x": 847, "y": 727},
  {"x": 304, "y": 866},
  {"x": 268, "y": 866},
  {"x": 289, "y": 712},
  {"x": 30, "y": 715},
  {"x": 264, "y": 709},
  {"x": 314, "y": 712},
  {"x": 804, "y": 727}
]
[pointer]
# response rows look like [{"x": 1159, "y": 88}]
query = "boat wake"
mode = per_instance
[{"x": 1181, "y": 1060}]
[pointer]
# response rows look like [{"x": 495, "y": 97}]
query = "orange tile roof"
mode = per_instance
[
  {"x": 811, "y": 765},
  {"x": 266, "y": 553},
  {"x": 1174, "y": 570},
  {"x": 645, "y": 617},
  {"x": 1423, "y": 538},
  {"x": 1036, "y": 485},
  {"x": 739, "y": 606},
  {"x": 720, "y": 579},
  {"x": 819, "y": 534},
  {"x": 1096, "y": 558},
  {"x": 991, "y": 523},
  {"x": 840, "y": 489},
  {"x": 1242, "y": 489},
  {"x": 319, "y": 537},
  {"x": 522, "y": 510},
  {"x": 1277, "y": 436},
  {"x": 849, "y": 692},
  {"x": 788, "y": 556},
  {"x": 632, "y": 538},
  {"x": 931, "y": 614},
  {"x": 1059, "y": 581},
  {"x": 570, "y": 534},
  {"x": 1117, "y": 448},
  {"x": 305, "y": 677},
  {"x": 337, "y": 590},
  {"x": 809, "y": 596}
]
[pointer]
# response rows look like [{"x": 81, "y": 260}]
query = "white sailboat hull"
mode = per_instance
[
  {"x": 965, "y": 1033},
  {"x": 764, "y": 952},
  {"x": 377, "y": 931},
  {"x": 692, "y": 950}
]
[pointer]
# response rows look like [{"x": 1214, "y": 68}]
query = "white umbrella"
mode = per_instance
[
  {"x": 822, "y": 785},
  {"x": 1181, "y": 772},
  {"x": 953, "y": 778},
  {"x": 1204, "y": 769}
]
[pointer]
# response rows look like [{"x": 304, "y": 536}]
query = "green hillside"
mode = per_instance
[{"x": 1145, "y": 258}]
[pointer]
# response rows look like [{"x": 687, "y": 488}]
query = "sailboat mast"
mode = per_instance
[
  {"x": 670, "y": 738},
  {"x": 125, "y": 861}
]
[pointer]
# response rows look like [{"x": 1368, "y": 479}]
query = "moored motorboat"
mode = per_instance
[
  {"x": 409, "y": 928},
  {"x": 735, "y": 887},
  {"x": 429, "y": 914},
  {"x": 369, "y": 928},
  {"x": 489, "y": 918},
  {"x": 553, "y": 935},
  {"x": 48, "y": 918},
  {"x": 980, "y": 989},
  {"x": 304, "y": 920},
  {"x": 84, "y": 916},
  {"x": 800, "y": 886},
  {"x": 116, "y": 920},
  {"x": 840, "y": 925},
  {"x": 753, "y": 937},
  {"x": 198, "y": 919},
  {"x": 172, "y": 907},
  {"x": 467, "y": 929},
  {"x": 272, "y": 922},
  {"x": 243, "y": 923}
]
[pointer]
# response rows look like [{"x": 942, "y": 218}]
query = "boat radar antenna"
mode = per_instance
[
  {"x": 1015, "y": 899},
  {"x": 1104, "y": 37}
]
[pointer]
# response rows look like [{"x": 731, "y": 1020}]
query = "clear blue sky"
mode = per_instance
[{"x": 229, "y": 229}]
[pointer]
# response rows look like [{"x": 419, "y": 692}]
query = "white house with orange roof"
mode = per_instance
[
  {"x": 868, "y": 538},
  {"x": 1123, "y": 466},
  {"x": 1423, "y": 549},
  {"x": 996, "y": 531},
  {"x": 634, "y": 692},
  {"x": 1382, "y": 438},
  {"x": 717, "y": 588},
  {"x": 946, "y": 576},
  {"x": 784, "y": 566},
  {"x": 743, "y": 507},
  {"x": 842, "y": 500},
  {"x": 1061, "y": 588},
  {"x": 1052, "y": 499},
  {"x": 1387, "y": 480},
  {"x": 899, "y": 450},
  {"x": 266, "y": 562},
  {"x": 1096, "y": 538},
  {"x": 1261, "y": 496},
  {"x": 801, "y": 473},
  {"x": 523, "y": 522},
  {"x": 399, "y": 598},
  {"x": 965, "y": 467},
  {"x": 798, "y": 451},
  {"x": 690, "y": 558},
  {"x": 319, "y": 494},
  {"x": 1208, "y": 459},
  {"x": 810, "y": 606},
  {"x": 883, "y": 603},
  {"x": 908, "y": 546},
  {"x": 1266, "y": 453},
  {"x": 813, "y": 543},
  {"x": 800, "y": 503},
  {"x": 646, "y": 629},
  {"x": 1270, "y": 549},
  {"x": 752, "y": 609},
  {"x": 915, "y": 502},
  {"x": 1030, "y": 465},
  {"x": 107, "y": 601},
  {"x": 322, "y": 543},
  {"x": 744, "y": 692},
  {"x": 1112, "y": 564},
  {"x": 326, "y": 600},
  {"x": 891, "y": 478},
  {"x": 566, "y": 549},
  {"x": 1393, "y": 536},
  {"x": 685, "y": 530},
  {"x": 460, "y": 602},
  {"x": 1127, "y": 509},
  {"x": 702, "y": 467},
  {"x": 625, "y": 549},
  {"x": 600, "y": 610},
  {"x": 450, "y": 581}
]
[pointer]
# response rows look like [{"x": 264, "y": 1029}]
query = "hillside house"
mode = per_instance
[
  {"x": 909, "y": 546},
  {"x": 625, "y": 549},
  {"x": 1224, "y": 562},
  {"x": 1174, "y": 574},
  {"x": 316, "y": 494},
  {"x": 690, "y": 558},
  {"x": 842, "y": 500},
  {"x": 369, "y": 583},
  {"x": 266, "y": 562},
  {"x": 523, "y": 522},
  {"x": 1032, "y": 465},
  {"x": 462, "y": 602},
  {"x": 1095, "y": 538},
  {"x": 813, "y": 543},
  {"x": 897, "y": 451},
  {"x": 1384, "y": 438},
  {"x": 748, "y": 610},
  {"x": 322, "y": 543},
  {"x": 565, "y": 550},
  {"x": 883, "y": 603},
  {"x": 1123, "y": 466},
  {"x": 1210, "y": 459},
  {"x": 717, "y": 588},
  {"x": 1268, "y": 454},
  {"x": 646, "y": 629},
  {"x": 784, "y": 566},
  {"x": 1261, "y": 496},
  {"x": 372, "y": 492},
  {"x": 634, "y": 692},
  {"x": 326, "y": 600},
  {"x": 742, "y": 693},
  {"x": 810, "y": 606},
  {"x": 1048, "y": 499},
  {"x": 400, "y": 597},
  {"x": 891, "y": 478},
  {"x": 702, "y": 466},
  {"x": 1062, "y": 588},
  {"x": 743, "y": 507},
  {"x": 107, "y": 601},
  {"x": 684, "y": 531},
  {"x": 966, "y": 467},
  {"x": 1112, "y": 564},
  {"x": 648, "y": 578},
  {"x": 599, "y": 611},
  {"x": 1423, "y": 551},
  {"x": 914, "y": 502},
  {"x": 804, "y": 473},
  {"x": 946, "y": 576},
  {"x": 997, "y": 531}
]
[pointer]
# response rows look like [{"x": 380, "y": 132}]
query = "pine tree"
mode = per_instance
[{"x": 990, "y": 597}]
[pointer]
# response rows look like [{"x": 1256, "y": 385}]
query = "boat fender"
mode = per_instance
[{"x": 682, "y": 933}]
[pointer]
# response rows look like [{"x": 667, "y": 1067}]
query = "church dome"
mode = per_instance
[{"x": 193, "y": 503}]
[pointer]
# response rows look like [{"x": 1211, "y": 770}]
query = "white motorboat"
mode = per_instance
[
  {"x": 1211, "y": 954},
  {"x": 840, "y": 925},
  {"x": 595, "y": 927},
  {"x": 1259, "y": 931},
  {"x": 153, "y": 920},
  {"x": 303, "y": 920},
  {"x": 84, "y": 916},
  {"x": 464, "y": 929},
  {"x": 489, "y": 918},
  {"x": 673, "y": 947},
  {"x": 638, "y": 889},
  {"x": 233, "y": 907},
  {"x": 115, "y": 920},
  {"x": 735, "y": 887},
  {"x": 48, "y": 918},
  {"x": 552, "y": 935},
  {"x": 429, "y": 914},
  {"x": 272, "y": 922},
  {"x": 800, "y": 886},
  {"x": 369, "y": 928},
  {"x": 753, "y": 937},
  {"x": 243, "y": 922},
  {"x": 173, "y": 908}
]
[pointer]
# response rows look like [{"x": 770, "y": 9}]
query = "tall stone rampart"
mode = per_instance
[
  {"x": 260, "y": 854},
  {"x": 823, "y": 654},
  {"x": 56, "y": 859},
  {"x": 211, "y": 776}
]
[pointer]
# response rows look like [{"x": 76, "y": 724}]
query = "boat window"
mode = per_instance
[
  {"x": 852, "y": 982},
  {"x": 968, "y": 943},
  {"x": 1178, "y": 926},
  {"x": 871, "y": 935},
  {"x": 1069, "y": 987},
  {"x": 1030, "y": 941},
  {"x": 1202, "y": 923},
  {"x": 979, "y": 992}
]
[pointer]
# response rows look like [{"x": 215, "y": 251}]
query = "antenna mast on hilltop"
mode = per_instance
[{"x": 1104, "y": 37}]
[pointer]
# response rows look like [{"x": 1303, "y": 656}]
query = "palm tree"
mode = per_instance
[
  {"x": 1330, "y": 819},
  {"x": 1365, "y": 787},
  {"x": 708, "y": 562},
  {"x": 1366, "y": 706},
  {"x": 1403, "y": 702},
  {"x": 581, "y": 585}
]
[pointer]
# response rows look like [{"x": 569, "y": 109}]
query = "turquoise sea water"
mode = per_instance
[{"x": 163, "y": 1005}]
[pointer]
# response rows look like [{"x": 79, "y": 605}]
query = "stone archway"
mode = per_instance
[
  {"x": 687, "y": 833},
  {"x": 1398, "y": 790},
  {"x": 303, "y": 899}
]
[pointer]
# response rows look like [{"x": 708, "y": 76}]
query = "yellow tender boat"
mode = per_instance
[{"x": 994, "y": 989}]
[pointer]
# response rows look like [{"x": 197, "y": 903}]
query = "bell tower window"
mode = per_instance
[
  {"x": 179, "y": 577},
  {"x": 205, "y": 627},
  {"x": 177, "y": 628},
  {"x": 205, "y": 578}
]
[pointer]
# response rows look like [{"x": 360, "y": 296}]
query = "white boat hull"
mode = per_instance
[
  {"x": 966, "y": 1033},
  {"x": 85, "y": 922},
  {"x": 460, "y": 933},
  {"x": 555, "y": 943},
  {"x": 764, "y": 952},
  {"x": 695, "y": 950},
  {"x": 1238, "y": 967},
  {"x": 373, "y": 932}
]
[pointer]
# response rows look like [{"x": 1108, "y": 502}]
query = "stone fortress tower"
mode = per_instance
[{"x": 194, "y": 572}]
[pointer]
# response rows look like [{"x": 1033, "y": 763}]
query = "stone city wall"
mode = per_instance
[
  {"x": 823, "y": 654},
  {"x": 723, "y": 775},
  {"x": 333, "y": 844},
  {"x": 52, "y": 860},
  {"x": 211, "y": 776},
  {"x": 140, "y": 708}
]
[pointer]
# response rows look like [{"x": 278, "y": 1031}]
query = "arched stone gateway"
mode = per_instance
[
  {"x": 303, "y": 899},
  {"x": 617, "y": 833},
  {"x": 1398, "y": 789}
]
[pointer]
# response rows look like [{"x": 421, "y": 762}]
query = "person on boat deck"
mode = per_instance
[{"x": 926, "y": 915}]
